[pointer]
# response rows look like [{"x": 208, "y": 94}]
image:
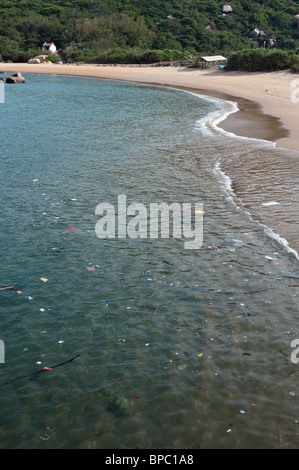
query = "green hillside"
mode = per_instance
[{"x": 144, "y": 30}]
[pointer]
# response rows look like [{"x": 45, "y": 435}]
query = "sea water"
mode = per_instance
[{"x": 178, "y": 348}]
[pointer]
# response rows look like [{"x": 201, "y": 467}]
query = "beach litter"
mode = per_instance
[
  {"x": 41, "y": 370},
  {"x": 271, "y": 203}
]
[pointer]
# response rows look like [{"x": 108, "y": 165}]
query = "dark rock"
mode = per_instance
[{"x": 15, "y": 78}]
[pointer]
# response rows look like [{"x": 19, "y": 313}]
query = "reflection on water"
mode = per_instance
[{"x": 178, "y": 348}]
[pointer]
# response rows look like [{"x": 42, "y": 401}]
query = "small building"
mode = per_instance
[
  {"x": 212, "y": 61},
  {"x": 49, "y": 47}
]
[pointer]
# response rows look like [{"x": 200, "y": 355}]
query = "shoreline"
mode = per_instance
[
  {"x": 265, "y": 109},
  {"x": 265, "y": 112}
]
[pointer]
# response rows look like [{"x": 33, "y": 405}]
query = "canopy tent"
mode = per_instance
[{"x": 213, "y": 60}]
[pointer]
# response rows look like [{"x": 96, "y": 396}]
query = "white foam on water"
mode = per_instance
[
  {"x": 226, "y": 184},
  {"x": 210, "y": 123}
]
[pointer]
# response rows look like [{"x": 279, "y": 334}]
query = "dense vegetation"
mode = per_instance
[
  {"x": 257, "y": 60},
  {"x": 143, "y": 30}
]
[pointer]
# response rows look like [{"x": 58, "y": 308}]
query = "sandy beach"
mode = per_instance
[{"x": 266, "y": 108}]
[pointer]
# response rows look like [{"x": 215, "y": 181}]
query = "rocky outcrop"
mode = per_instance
[
  {"x": 254, "y": 33},
  {"x": 39, "y": 59},
  {"x": 226, "y": 9},
  {"x": 172, "y": 18},
  {"x": 34, "y": 61},
  {"x": 296, "y": 20},
  {"x": 257, "y": 33},
  {"x": 15, "y": 78},
  {"x": 271, "y": 43}
]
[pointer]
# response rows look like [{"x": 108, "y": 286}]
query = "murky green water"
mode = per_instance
[{"x": 178, "y": 348}]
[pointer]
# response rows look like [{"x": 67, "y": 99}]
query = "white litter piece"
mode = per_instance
[{"x": 271, "y": 203}]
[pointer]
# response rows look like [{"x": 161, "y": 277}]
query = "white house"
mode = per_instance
[{"x": 49, "y": 47}]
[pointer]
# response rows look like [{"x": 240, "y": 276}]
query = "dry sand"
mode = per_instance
[{"x": 267, "y": 109}]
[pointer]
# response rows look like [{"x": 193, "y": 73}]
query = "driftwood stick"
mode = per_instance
[{"x": 44, "y": 369}]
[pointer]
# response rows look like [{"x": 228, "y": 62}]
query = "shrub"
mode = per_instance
[
  {"x": 295, "y": 68},
  {"x": 259, "y": 60}
]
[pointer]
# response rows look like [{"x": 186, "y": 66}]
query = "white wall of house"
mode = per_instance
[{"x": 51, "y": 48}]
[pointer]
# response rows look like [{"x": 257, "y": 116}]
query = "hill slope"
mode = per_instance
[{"x": 91, "y": 29}]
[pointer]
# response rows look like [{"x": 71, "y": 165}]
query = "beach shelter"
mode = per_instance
[{"x": 212, "y": 61}]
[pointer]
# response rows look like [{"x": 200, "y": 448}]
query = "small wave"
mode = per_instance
[
  {"x": 282, "y": 241},
  {"x": 210, "y": 123},
  {"x": 226, "y": 184}
]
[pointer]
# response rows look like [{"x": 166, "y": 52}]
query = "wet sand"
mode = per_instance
[{"x": 266, "y": 110}]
